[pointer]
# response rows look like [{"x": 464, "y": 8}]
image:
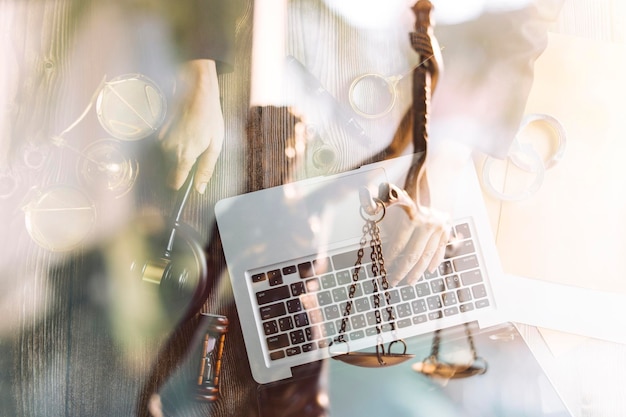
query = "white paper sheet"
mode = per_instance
[{"x": 569, "y": 239}]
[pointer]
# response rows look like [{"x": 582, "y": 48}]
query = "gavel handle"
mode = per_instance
[{"x": 183, "y": 196}]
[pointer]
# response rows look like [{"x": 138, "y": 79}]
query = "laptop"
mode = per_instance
[
  {"x": 291, "y": 252},
  {"x": 514, "y": 384}
]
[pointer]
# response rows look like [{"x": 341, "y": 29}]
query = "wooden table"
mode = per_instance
[
  {"x": 72, "y": 341},
  {"x": 71, "y": 344}
]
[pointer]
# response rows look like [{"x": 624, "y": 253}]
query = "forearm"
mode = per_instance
[{"x": 197, "y": 76}]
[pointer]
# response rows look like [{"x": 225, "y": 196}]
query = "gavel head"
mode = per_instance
[{"x": 180, "y": 278}]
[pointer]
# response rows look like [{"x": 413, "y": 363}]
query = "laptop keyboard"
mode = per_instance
[{"x": 303, "y": 305}]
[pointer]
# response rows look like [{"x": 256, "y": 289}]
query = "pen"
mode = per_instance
[{"x": 313, "y": 86}]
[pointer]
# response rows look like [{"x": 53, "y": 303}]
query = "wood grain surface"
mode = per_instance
[{"x": 72, "y": 341}]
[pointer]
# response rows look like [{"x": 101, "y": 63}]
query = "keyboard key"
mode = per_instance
[
  {"x": 328, "y": 329},
  {"x": 360, "y": 334},
  {"x": 312, "y": 333},
  {"x": 271, "y": 311},
  {"x": 296, "y": 337},
  {"x": 313, "y": 285},
  {"x": 285, "y": 324},
  {"x": 404, "y": 310},
  {"x": 404, "y": 323},
  {"x": 309, "y": 347},
  {"x": 301, "y": 320},
  {"x": 419, "y": 306},
  {"x": 372, "y": 318},
  {"x": 431, "y": 275},
  {"x": 309, "y": 301},
  {"x": 369, "y": 286},
  {"x": 324, "y": 343},
  {"x": 463, "y": 231},
  {"x": 277, "y": 355},
  {"x": 339, "y": 294},
  {"x": 388, "y": 327},
  {"x": 482, "y": 303},
  {"x": 270, "y": 327},
  {"x": 371, "y": 331},
  {"x": 377, "y": 300},
  {"x": 422, "y": 289},
  {"x": 435, "y": 315},
  {"x": 392, "y": 296},
  {"x": 288, "y": 270},
  {"x": 361, "y": 273},
  {"x": 450, "y": 311},
  {"x": 293, "y": 306},
  {"x": 460, "y": 248},
  {"x": 407, "y": 293},
  {"x": 293, "y": 351},
  {"x": 358, "y": 321},
  {"x": 355, "y": 289},
  {"x": 448, "y": 298},
  {"x": 361, "y": 304},
  {"x": 258, "y": 277},
  {"x": 324, "y": 298},
  {"x": 465, "y": 263},
  {"x": 305, "y": 270},
  {"x": 434, "y": 302},
  {"x": 344, "y": 277},
  {"x": 370, "y": 273},
  {"x": 471, "y": 277},
  {"x": 275, "y": 277},
  {"x": 437, "y": 285},
  {"x": 322, "y": 266},
  {"x": 419, "y": 319},
  {"x": 332, "y": 312},
  {"x": 453, "y": 281},
  {"x": 272, "y": 295},
  {"x": 328, "y": 281},
  {"x": 345, "y": 260},
  {"x": 342, "y": 322},
  {"x": 388, "y": 314},
  {"x": 297, "y": 288},
  {"x": 445, "y": 268},
  {"x": 479, "y": 291},
  {"x": 343, "y": 308},
  {"x": 316, "y": 316},
  {"x": 277, "y": 342},
  {"x": 464, "y": 295},
  {"x": 466, "y": 307}
]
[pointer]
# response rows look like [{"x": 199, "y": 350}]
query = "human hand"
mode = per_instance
[
  {"x": 196, "y": 130},
  {"x": 418, "y": 245},
  {"x": 419, "y": 235}
]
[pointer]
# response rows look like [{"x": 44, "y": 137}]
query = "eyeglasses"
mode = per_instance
[
  {"x": 374, "y": 95},
  {"x": 526, "y": 158}
]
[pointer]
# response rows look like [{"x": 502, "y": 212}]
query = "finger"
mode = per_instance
[
  {"x": 179, "y": 173},
  {"x": 401, "y": 237},
  {"x": 411, "y": 254},
  {"x": 206, "y": 165},
  {"x": 425, "y": 257},
  {"x": 441, "y": 251}
]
